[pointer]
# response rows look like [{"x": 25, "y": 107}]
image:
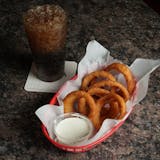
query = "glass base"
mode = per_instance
[{"x": 49, "y": 73}]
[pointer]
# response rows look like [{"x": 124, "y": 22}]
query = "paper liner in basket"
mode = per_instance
[{"x": 98, "y": 57}]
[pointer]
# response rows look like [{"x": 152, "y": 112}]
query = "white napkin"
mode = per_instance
[{"x": 33, "y": 84}]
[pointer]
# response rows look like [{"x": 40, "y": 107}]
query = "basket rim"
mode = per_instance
[{"x": 101, "y": 139}]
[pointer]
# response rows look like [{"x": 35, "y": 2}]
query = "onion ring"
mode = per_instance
[
  {"x": 114, "y": 110},
  {"x": 97, "y": 74},
  {"x": 82, "y": 106},
  {"x": 106, "y": 99},
  {"x": 99, "y": 92},
  {"x": 111, "y": 112},
  {"x": 72, "y": 97},
  {"x": 113, "y": 84},
  {"x": 123, "y": 69}
]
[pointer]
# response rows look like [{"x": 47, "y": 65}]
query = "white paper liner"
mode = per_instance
[{"x": 96, "y": 58}]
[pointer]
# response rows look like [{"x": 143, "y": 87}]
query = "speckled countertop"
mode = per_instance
[{"x": 129, "y": 29}]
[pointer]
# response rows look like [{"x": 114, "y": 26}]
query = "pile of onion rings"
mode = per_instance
[{"x": 101, "y": 96}]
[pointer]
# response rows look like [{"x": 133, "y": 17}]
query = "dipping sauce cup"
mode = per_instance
[{"x": 72, "y": 128}]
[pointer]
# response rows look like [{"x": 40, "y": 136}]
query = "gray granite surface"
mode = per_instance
[{"x": 129, "y": 29}]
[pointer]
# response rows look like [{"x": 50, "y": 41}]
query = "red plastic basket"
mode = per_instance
[{"x": 78, "y": 148}]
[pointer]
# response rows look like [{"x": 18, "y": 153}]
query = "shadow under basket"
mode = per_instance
[{"x": 83, "y": 148}]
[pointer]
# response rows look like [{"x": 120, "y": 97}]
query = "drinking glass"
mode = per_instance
[{"x": 46, "y": 28}]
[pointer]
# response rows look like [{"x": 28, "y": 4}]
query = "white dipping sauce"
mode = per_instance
[{"x": 71, "y": 130}]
